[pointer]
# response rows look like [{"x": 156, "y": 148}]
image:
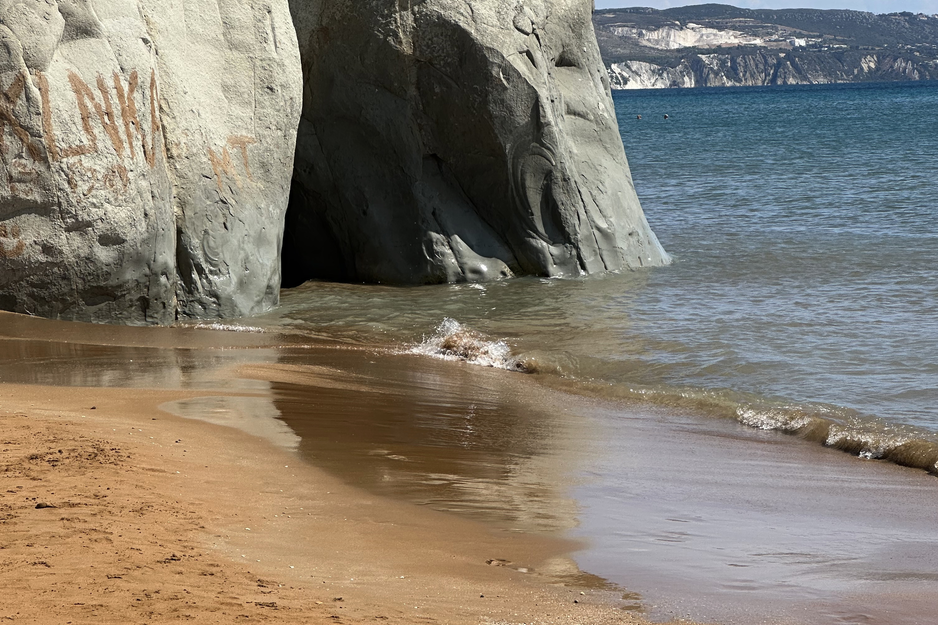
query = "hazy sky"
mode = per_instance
[{"x": 876, "y": 6}]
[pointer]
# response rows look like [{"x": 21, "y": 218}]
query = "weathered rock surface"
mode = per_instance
[
  {"x": 146, "y": 149},
  {"x": 451, "y": 140},
  {"x": 147, "y": 146}
]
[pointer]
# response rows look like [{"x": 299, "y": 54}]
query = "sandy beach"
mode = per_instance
[
  {"x": 153, "y": 475},
  {"x": 115, "y": 511}
]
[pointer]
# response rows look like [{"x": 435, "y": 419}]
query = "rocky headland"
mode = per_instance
[
  {"x": 723, "y": 46},
  {"x": 147, "y": 151}
]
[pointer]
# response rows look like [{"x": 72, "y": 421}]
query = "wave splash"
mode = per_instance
[
  {"x": 453, "y": 341},
  {"x": 864, "y": 436},
  {"x": 224, "y": 327}
]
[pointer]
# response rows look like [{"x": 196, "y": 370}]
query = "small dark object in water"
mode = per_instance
[
  {"x": 638, "y": 117},
  {"x": 667, "y": 116}
]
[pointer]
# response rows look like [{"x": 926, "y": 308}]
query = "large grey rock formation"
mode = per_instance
[
  {"x": 146, "y": 148},
  {"x": 449, "y": 140}
]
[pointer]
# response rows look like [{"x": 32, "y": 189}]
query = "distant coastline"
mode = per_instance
[{"x": 724, "y": 46}]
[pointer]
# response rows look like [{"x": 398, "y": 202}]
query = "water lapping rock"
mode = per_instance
[
  {"x": 458, "y": 141},
  {"x": 147, "y": 151}
]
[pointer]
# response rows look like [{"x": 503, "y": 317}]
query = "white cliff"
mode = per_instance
[
  {"x": 689, "y": 36},
  {"x": 641, "y": 75},
  {"x": 760, "y": 69},
  {"x": 724, "y": 46}
]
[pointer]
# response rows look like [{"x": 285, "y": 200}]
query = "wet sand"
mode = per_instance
[
  {"x": 484, "y": 489},
  {"x": 113, "y": 510},
  {"x": 699, "y": 518},
  {"x": 745, "y": 526}
]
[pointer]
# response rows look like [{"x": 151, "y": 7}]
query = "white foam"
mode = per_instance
[
  {"x": 773, "y": 419},
  {"x": 228, "y": 328},
  {"x": 453, "y": 341}
]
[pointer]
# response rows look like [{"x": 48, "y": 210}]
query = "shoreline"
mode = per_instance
[
  {"x": 485, "y": 490},
  {"x": 152, "y": 514}
]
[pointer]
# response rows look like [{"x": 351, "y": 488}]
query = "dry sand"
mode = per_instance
[{"x": 113, "y": 511}]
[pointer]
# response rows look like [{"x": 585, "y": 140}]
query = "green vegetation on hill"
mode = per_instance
[{"x": 853, "y": 28}]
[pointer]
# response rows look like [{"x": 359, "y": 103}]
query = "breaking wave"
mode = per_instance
[
  {"x": 454, "y": 341},
  {"x": 226, "y": 327},
  {"x": 837, "y": 427},
  {"x": 862, "y": 436},
  {"x": 865, "y": 436}
]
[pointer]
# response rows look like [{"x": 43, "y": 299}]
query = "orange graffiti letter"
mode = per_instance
[
  {"x": 7, "y": 103},
  {"x": 84, "y": 94}
]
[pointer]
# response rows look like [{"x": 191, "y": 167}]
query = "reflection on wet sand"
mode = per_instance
[
  {"x": 451, "y": 436},
  {"x": 39, "y": 351},
  {"x": 447, "y": 435},
  {"x": 256, "y": 416}
]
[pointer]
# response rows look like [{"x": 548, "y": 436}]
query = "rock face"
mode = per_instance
[
  {"x": 146, "y": 148},
  {"x": 679, "y": 36},
  {"x": 769, "y": 68},
  {"x": 453, "y": 140}
]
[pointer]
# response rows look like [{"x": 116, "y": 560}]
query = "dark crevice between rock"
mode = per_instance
[
  {"x": 311, "y": 249},
  {"x": 9, "y": 302}
]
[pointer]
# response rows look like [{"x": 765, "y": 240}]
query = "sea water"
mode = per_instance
[{"x": 803, "y": 222}]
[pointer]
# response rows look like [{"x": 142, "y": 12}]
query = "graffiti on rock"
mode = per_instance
[
  {"x": 15, "y": 247},
  {"x": 112, "y": 108},
  {"x": 93, "y": 109},
  {"x": 222, "y": 164}
]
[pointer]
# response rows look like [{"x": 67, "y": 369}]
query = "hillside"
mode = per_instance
[{"x": 720, "y": 45}]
